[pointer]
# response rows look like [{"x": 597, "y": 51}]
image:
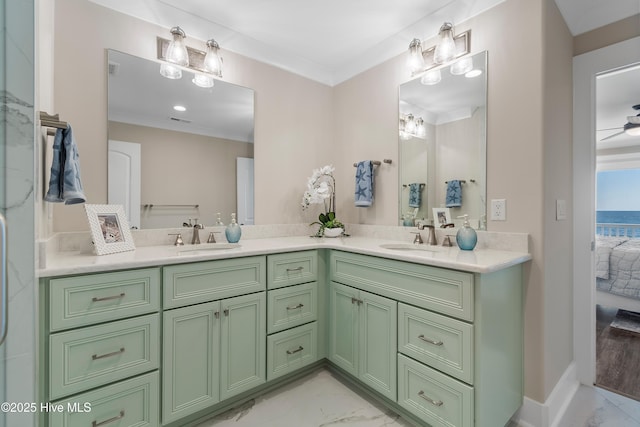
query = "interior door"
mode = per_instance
[
  {"x": 244, "y": 172},
  {"x": 124, "y": 178}
]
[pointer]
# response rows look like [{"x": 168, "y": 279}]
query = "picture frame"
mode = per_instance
[
  {"x": 441, "y": 216},
  {"x": 109, "y": 229}
]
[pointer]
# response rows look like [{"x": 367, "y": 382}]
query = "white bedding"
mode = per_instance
[{"x": 618, "y": 265}]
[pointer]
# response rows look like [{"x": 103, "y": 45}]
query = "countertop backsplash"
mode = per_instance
[{"x": 81, "y": 241}]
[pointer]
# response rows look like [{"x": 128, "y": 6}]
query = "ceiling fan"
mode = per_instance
[{"x": 632, "y": 127}]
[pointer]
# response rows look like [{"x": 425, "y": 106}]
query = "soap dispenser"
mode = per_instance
[
  {"x": 233, "y": 231},
  {"x": 466, "y": 238}
]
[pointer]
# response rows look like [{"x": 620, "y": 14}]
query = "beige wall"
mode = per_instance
[
  {"x": 207, "y": 178},
  {"x": 557, "y": 184},
  {"x": 301, "y": 125},
  {"x": 293, "y": 118}
]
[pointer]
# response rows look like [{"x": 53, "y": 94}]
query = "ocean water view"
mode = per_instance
[{"x": 618, "y": 217}]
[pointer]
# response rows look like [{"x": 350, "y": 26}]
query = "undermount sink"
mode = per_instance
[
  {"x": 414, "y": 247},
  {"x": 205, "y": 247}
]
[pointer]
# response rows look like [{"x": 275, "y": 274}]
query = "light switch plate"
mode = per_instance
[{"x": 561, "y": 209}]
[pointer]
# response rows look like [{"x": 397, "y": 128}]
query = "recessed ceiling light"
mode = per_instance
[
  {"x": 473, "y": 73},
  {"x": 179, "y": 108}
]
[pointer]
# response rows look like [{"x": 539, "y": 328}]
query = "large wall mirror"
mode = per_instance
[
  {"x": 443, "y": 140},
  {"x": 177, "y": 151}
]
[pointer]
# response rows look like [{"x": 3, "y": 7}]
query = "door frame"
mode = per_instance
[{"x": 585, "y": 69}]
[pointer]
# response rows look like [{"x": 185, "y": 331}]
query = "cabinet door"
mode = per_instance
[
  {"x": 343, "y": 327},
  {"x": 191, "y": 348},
  {"x": 378, "y": 343},
  {"x": 243, "y": 344}
]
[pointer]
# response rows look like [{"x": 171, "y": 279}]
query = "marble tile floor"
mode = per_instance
[{"x": 322, "y": 400}]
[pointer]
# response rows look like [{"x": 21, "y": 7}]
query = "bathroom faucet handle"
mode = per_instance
[
  {"x": 179, "y": 241},
  {"x": 418, "y": 238},
  {"x": 212, "y": 237}
]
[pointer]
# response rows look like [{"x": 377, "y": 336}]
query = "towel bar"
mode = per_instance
[{"x": 376, "y": 162}]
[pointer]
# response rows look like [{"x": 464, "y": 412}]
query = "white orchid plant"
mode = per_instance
[{"x": 321, "y": 188}]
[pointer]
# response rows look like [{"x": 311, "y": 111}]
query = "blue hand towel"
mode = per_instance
[
  {"x": 364, "y": 184},
  {"x": 415, "y": 198},
  {"x": 64, "y": 184},
  {"x": 454, "y": 194}
]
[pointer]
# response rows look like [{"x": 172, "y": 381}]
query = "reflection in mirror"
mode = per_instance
[
  {"x": 169, "y": 164},
  {"x": 443, "y": 139}
]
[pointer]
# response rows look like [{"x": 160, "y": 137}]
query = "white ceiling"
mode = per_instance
[{"x": 333, "y": 40}]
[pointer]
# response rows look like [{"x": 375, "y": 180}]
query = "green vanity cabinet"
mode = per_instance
[
  {"x": 100, "y": 346},
  {"x": 211, "y": 352},
  {"x": 214, "y": 331},
  {"x": 459, "y": 344},
  {"x": 293, "y": 312},
  {"x": 362, "y": 336}
]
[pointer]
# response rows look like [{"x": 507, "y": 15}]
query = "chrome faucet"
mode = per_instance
[
  {"x": 431, "y": 238},
  {"x": 195, "y": 240}
]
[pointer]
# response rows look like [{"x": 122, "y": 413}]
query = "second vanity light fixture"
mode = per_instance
[
  {"x": 447, "y": 49},
  {"x": 178, "y": 55},
  {"x": 411, "y": 127}
]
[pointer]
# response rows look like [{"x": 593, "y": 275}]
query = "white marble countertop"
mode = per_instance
[{"x": 476, "y": 261}]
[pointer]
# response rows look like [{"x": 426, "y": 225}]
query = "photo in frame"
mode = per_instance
[
  {"x": 441, "y": 216},
  {"x": 109, "y": 229}
]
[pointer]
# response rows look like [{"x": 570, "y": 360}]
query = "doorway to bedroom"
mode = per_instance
[{"x": 618, "y": 275}]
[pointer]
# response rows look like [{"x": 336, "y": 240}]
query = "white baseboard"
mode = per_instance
[{"x": 549, "y": 413}]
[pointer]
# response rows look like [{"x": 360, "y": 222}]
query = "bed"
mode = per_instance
[{"x": 618, "y": 272}]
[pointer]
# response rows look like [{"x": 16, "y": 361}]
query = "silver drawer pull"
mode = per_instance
[
  {"x": 295, "y": 307},
  {"x": 430, "y": 400},
  {"x": 291, "y": 270},
  {"x": 300, "y": 348},
  {"x": 110, "y": 420},
  {"x": 429, "y": 340},
  {"x": 102, "y": 356},
  {"x": 96, "y": 299}
]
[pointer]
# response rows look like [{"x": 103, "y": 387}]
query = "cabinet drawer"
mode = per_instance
[
  {"x": 432, "y": 396},
  {"x": 128, "y": 403},
  {"x": 291, "y": 350},
  {"x": 446, "y": 291},
  {"x": 194, "y": 283},
  {"x": 85, "y": 300},
  {"x": 438, "y": 341},
  {"x": 97, "y": 355},
  {"x": 292, "y": 268},
  {"x": 292, "y": 306}
]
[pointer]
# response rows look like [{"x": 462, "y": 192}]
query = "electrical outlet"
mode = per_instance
[{"x": 499, "y": 210}]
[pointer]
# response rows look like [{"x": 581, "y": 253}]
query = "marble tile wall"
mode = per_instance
[{"x": 18, "y": 353}]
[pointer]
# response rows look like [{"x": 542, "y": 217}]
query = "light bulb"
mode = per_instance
[
  {"x": 415, "y": 60},
  {"x": 202, "y": 80},
  {"x": 431, "y": 78},
  {"x": 446, "y": 47},
  {"x": 473, "y": 73},
  {"x": 632, "y": 129},
  {"x": 177, "y": 51},
  {"x": 212, "y": 60},
  {"x": 421, "y": 131},
  {"x": 410, "y": 125},
  {"x": 170, "y": 71},
  {"x": 462, "y": 66}
]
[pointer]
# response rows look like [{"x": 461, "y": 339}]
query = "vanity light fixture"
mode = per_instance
[
  {"x": 448, "y": 48},
  {"x": 177, "y": 51},
  {"x": 410, "y": 127},
  {"x": 205, "y": 65}
]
